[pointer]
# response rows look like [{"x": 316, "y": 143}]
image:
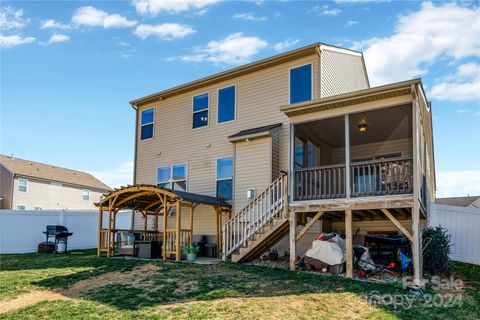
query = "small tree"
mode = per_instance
[{"x": 436, "y": 250}]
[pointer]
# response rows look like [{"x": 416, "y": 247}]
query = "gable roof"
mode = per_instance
[
  {"x": 241, "y": 70},
  {"x": 27, "y": 168},
  {"x": 458, "y": 201}
]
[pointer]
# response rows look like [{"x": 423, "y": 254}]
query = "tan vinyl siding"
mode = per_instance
[
  {"x": 259, "y": 96},
  {"x": 47, "y": 196},
  {"x": 275, "y": 154},
  {"x": 253, "y": 163},
  {"x": 341, "y": 73},
  {"x": 6, "y": 188},
  {"x": 403, "y": 146}
]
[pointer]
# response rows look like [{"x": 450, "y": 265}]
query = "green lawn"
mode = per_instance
[{"x": 82, "y": 286}]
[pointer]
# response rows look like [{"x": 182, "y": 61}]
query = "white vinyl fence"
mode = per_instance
[
  {"x": 463, "y": 224},
  {"x": 21, "y": 231}
]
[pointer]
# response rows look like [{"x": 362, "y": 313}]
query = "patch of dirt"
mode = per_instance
[
  {"x": 186, "y": 286},
  {"x": 29, "y": 299},
  {"x": 134, "y": 278}
]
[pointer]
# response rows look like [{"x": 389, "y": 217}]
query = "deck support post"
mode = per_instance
[
  {"x": 349, "y": 243},
  {"x": 178, "y": 213},
  {"x": 293, "y": 231},
  {"x": 100, "y": 223}
]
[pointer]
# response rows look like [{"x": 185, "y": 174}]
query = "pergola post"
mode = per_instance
[
  {"x": 100, "y": 223},
  {"x": 109, "y": 234},
  {"x": 177, "y": 232},
  {"x": 191, "y": 225},
  {"x": 145, "y": 224},
  {"x": 217, "y": 213},
  {"x": 165, "y": 220}
]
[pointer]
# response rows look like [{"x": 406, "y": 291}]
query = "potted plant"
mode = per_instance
[{"x": 191, "y": 252}]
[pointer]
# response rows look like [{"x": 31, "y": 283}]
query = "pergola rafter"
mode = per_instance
[{"x": 155, "y": 201}]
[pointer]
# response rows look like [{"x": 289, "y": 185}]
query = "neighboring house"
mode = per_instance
[
  {"x": 28, "y": 185},
  {"x": 309, "y": 113},
  {"x": 470, "y": 201}
]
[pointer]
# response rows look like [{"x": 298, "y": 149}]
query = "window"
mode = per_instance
[
  {"x": 173, "y": 177},
  {"x": 38, "y": 208},
  {"x": 22, "y": 185},
  {"x": 21, "y": 207},
  {"x": 57, "y": 184},
  {"x": 226, "y": 104},
  {"x": 146, "y": 131},
  {"x": 225, "y": 178},
  {"x": 301, "y": 84},
  {"x": 200, "y": 111},
  {"x": 86, "y": 194}
]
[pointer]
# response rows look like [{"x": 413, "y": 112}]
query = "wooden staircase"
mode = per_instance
[{"x": 259, "y": 225}]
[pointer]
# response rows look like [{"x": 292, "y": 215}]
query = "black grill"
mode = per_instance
[{"x": 59, "y": 234}]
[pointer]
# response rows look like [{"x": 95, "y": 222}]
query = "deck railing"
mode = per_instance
[
  {"x": 382, "y": 177},
  {"x": 368, "y": 178},
  {"x": 263, "y": 209},
  {"x": 171, "y": 240},
  {"x": 325, "y": 182}
]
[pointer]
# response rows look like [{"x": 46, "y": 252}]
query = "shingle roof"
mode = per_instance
[
  {"x": 255, "y": 130},
  {"x": 457, "y": 201},
  {"x": 200, "y": 198},
  {"x": 38, "y": 170}
]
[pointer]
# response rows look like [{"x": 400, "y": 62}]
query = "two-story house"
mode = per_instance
[
  {"x": 297, "y": 143},
  {"x": 29, "y": 185}
]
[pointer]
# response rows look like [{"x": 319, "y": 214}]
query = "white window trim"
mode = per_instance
[
  {"x": 145, "y": 124},
  {"x": 26, "y": 184},
  {"x": 171, "y": 180},
  {"x": 234, "y": 106},
  {"x": 21, "y": 205},
  {"x": 83, "y": 194},
  {"x": 208, "y": 110},
  {"x": 233, "y": 175},
  {"x": 311, "y": 75}
]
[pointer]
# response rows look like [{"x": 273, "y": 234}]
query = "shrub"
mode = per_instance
[
  {"x": 436, "y": 250},
  {"x": 191, "y": 250}
]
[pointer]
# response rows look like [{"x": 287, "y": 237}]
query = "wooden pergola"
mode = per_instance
[{"x": 154, "y": 201}]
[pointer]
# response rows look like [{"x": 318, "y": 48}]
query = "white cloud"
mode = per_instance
[
  {"x": 360, "y": 1},
  {"x": 465, "y": 85},
  {"x": 351, "y": 23},
  {"x": 154, "y": 7},
  {"x": 325, "y": 10},
  {"x": 280, "y": 46},
  {"x": 89, "y": 16},
  {"x": 118, "y": 176},
  {"x": 15, "y": 40},
  {"x": 248, "y": 16},
  {"x": 52, "y": 24},
  {"x": 165, "y": 31},
  {"x": 234, "y": 49},
  {"x": 11, "y": 18},
  {"x": 420, "y": 39},
  {"x": 57, "y": 37},
  {"x": 458, "y": 183}
]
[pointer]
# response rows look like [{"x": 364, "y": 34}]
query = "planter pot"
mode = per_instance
[{"x": 191, "y": 257}]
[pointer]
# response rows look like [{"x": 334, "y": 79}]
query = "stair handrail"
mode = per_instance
[{"x": 270, "y": 204}]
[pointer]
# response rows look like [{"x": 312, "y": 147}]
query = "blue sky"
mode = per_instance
[{"x": 68, "y": 69}]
